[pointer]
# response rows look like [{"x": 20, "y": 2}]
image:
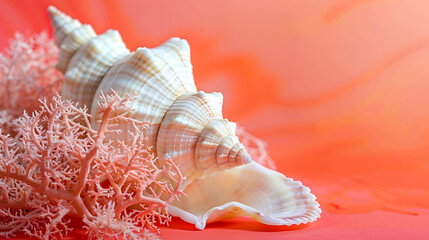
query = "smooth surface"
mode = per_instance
[{"x": 337, "y": 88}]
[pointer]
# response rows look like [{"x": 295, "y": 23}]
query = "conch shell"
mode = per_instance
[{"x": 222, "y": 181}]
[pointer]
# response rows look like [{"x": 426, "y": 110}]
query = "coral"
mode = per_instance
[
  {"x": 60, "y": 166},
  {"x": 5, "y": 121},
  {"x": 27, "y": 73}
]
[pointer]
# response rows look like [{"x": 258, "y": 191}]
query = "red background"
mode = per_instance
[{"x": 337, "y": 88}]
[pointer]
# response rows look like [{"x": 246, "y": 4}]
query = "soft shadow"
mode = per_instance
[{"x": 242, "y": 223}]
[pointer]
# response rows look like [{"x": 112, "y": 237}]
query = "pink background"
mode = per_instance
[{"x": 337, "y": 88}]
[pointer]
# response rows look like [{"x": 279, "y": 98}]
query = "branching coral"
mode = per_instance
[
  {"x": 27, "y": 73},
  {"x": 60, "y": 166}
]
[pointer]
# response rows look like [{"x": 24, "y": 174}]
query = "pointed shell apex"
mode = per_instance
[{"x": 62, "y": 24}]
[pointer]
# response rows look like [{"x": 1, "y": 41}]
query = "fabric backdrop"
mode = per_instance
[{"x": 337, "y": 88}]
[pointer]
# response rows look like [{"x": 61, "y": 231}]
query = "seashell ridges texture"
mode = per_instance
[
  {"x": 161, "y": 78},
  {"x": 186, "y": 125},
  {"x": 263, "y": 194}
]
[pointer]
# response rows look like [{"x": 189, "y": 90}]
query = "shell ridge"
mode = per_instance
[
  {"x": 186, "y": 119},
  {"x": 177, "y": 55},
  {"x": 203, "y": 139},
  {"x": 177, "y": 76},
  {"x": 71, "y": 43},
  {"x": 89, "y": 64},
  {"x": 220, "y": 126},
  {"x": 221, "y": 155},
  {"x": 62, "y": 24},
  {"x": 196, "y": 147}
]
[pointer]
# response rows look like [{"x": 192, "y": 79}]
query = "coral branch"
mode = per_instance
[
  {"x": 55, "y": 164},
  {"x": 60, "y": 166},
  {"x": 27, "y": 73}
]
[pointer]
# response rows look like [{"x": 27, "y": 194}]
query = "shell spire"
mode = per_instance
[
  {"x": 218, "y": 140},
  {"x": 63, "y": 24},
  {"x": 193, "y": 128},
  {"x": 84, "y": 56}
]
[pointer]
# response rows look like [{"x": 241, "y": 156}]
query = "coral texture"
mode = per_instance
[
  {"x": 60, "y": 166},
  {"x": 27, "y": 72}
]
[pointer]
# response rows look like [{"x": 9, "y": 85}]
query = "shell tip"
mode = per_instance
[
  {"x": 53, "y": 11},
  {"x": 244, "y": 157},
  {"x": 63, "y": 24},
  {"x": 56, "y": 15}
]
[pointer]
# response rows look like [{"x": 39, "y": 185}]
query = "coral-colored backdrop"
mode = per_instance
[{"x": 337, "y": 88}]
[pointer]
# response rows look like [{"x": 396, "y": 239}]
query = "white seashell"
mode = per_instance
[
  {"x": 156, "y": 83},
  {"x": 240, "y": 191},
  {"x": 89, "y": 64},
  {"x": 186, "y": 125}
]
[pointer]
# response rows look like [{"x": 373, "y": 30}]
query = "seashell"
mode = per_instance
[
  {"x": 253, "y": 190},
  {"x": 187, "y": 125}
]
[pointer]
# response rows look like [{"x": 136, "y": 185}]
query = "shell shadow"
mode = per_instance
[{"x": 241, "y": 223}]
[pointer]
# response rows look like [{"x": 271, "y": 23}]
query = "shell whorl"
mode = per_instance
[
  {"x": 218, "y": 139},
  {"x": 84, "y": 56},
  {"x": 159, "y": 77},
  {"x": 188, "y": 134},
  {"x": 187, "y": 125}
]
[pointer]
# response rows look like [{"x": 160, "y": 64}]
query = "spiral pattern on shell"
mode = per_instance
[{"x": 186, "y": 125}]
